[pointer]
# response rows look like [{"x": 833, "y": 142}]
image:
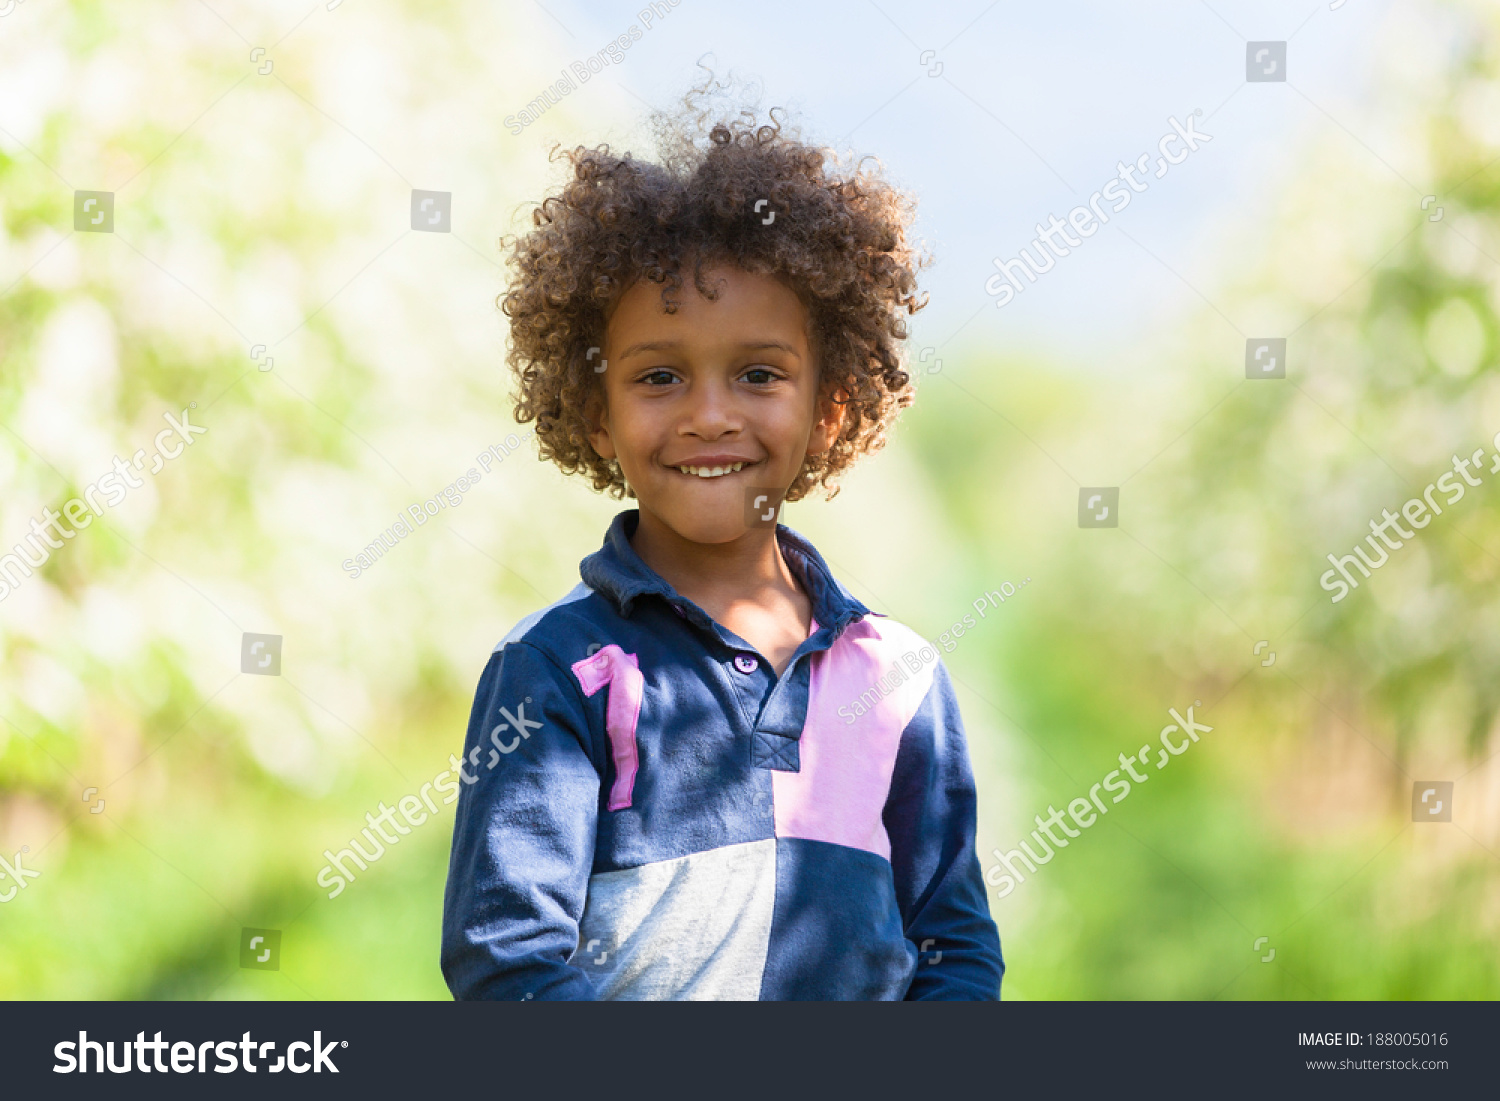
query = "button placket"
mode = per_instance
[
  {"x": 749, "y": 688},
  {"x": 778, "y": 728}
]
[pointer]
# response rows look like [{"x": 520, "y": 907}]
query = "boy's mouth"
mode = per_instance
[{"x": 712, "y": 470}]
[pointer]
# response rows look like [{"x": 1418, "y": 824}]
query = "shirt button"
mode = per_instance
[{"x": 745, "y": 663}]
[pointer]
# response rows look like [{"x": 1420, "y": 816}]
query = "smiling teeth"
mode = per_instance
[{"x": 711, "y": 471}]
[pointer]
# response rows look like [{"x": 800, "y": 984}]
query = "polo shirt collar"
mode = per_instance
[{"x": 617, "y": 572}]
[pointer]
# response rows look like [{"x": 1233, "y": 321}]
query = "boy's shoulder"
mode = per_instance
[{"x": 553, "y": 623}]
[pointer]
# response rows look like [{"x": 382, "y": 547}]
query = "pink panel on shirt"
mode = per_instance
[{"x": 846, "y": 767}]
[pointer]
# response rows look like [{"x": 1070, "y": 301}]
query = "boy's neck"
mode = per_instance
[{"x": 718, "y": 576}]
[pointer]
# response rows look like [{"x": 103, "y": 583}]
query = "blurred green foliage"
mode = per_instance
[{"x": 1290, "y": 820}]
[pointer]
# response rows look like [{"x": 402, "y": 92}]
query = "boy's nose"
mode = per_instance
[{"x": 712, "y": 413}]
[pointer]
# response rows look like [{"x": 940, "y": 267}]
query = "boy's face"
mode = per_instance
[{"x": 720, "y": 384}]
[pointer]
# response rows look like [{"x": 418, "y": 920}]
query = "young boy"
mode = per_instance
[{"x": 696, "y": 775}]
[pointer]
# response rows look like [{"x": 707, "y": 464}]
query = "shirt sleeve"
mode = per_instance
[
  {"x": 930, "y": 817},
  {"x": 523, "y": 835}
]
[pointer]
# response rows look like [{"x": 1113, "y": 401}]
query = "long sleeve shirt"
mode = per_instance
[{"x": 647, "y": 811}]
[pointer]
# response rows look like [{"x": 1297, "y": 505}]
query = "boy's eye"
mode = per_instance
[
  {"x": 659, "y": 377},
  {"x": 759, "y": 376}
]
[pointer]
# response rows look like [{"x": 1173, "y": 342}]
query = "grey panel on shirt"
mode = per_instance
[{"x": 696, "y": 928}]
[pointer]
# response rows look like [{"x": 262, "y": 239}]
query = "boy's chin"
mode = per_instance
[{"x": 709, "y": 524}]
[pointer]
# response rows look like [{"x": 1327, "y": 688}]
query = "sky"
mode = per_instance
[{"x": 1019, "y": 112}]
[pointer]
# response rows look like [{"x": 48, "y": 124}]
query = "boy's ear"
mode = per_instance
[
  {"x": 829, "y": 422},
  {"x": 596, "y": 417}
]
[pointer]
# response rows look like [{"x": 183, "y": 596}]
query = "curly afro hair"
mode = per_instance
[{"x": 839, "y": 242}]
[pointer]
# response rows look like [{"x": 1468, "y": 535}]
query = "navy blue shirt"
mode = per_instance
[{"x": 649, "y": 812}]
